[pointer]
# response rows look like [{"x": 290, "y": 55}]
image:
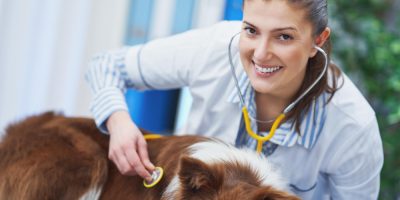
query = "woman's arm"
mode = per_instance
[{"x": 161, "y": 64}]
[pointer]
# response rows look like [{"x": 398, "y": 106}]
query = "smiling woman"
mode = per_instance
[
  {"x": 280, "y": 56},
  {"x": 275, "y": 39}
]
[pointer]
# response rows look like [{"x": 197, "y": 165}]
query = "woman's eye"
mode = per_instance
[
  {"x": 250, "y": 31},
  {"x": 285, "y": 37}
]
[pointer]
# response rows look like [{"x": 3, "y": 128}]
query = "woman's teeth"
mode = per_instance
[{"x": 267, "y": 69}]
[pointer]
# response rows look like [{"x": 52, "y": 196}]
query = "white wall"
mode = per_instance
[
  {"x": 106, "y": 31},
  {"x": 44, "y": 49}
]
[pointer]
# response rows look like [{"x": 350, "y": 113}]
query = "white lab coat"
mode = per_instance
[{"x": 344, "y": 163}]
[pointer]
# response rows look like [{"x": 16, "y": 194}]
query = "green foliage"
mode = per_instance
[{"x": 367, "y": 47}]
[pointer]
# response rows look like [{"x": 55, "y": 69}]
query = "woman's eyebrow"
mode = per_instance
[
  {"x": 249, "y": 24},
  {"x": 284, "y": 29},
  {"x": 275, "y": 29}
]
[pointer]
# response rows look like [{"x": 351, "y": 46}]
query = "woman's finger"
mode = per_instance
[
  {"x": 143, "y": 154},
  {"x": 123, "y": 165},
  {"x": 135, "y": 163}
]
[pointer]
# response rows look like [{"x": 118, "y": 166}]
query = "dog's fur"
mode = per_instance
[{"x": 55, "y": 157}]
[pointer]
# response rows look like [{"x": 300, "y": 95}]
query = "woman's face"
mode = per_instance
[{"x": 275, "y": 44}]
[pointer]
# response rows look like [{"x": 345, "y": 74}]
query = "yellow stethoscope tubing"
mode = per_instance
[
  {"x": 261, "y": 139},
  {"x": 152, "y": 136}
]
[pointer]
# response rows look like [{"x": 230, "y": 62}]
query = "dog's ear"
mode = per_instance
[{"x": 196, "y": 176}]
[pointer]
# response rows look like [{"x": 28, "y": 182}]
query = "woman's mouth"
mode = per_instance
[{"x": 266, "y": 71}]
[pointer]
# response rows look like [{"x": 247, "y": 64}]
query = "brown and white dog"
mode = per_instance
[{"x": 55, "y": 157}]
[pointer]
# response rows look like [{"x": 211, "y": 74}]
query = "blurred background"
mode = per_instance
[{"x": 45, "y": 46}]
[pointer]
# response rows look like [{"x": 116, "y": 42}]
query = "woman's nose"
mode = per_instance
[{"x": 263, "y": 51}]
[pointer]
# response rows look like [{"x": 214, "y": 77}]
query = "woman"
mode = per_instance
[{"x": 328, "y": 145}]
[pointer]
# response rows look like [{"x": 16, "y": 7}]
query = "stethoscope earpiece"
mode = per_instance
[{"x": 322, "y": 51}]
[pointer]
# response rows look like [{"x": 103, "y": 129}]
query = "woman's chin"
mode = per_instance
[{"x": 262, "y": 87}]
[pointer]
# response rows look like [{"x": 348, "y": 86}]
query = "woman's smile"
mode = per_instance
[{"x": 264, "y": 71}]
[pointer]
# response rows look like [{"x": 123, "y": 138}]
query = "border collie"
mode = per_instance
[{"x": 55, "y": 157}]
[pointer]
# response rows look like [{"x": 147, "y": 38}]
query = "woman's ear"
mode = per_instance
[{"x": 320, "y": 40}]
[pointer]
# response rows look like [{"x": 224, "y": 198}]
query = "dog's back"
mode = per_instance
[
  {"x": 54, "y": 157},
  {"x": 48, "y": 157}
]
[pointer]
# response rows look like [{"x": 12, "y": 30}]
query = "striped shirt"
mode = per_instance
[
  {"x": 108, "y": 81},
  {"x": 286, "y": 135}
]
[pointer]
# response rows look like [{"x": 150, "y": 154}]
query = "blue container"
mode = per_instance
[{"x": 154, "y": 110}]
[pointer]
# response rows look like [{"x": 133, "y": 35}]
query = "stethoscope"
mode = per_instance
[{"x": 277, "y": 121}]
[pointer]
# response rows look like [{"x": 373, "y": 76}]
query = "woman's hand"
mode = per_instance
[{"x": 128, "y": 148}]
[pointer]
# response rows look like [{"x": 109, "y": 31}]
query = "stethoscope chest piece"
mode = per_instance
[{"x": 156, "y": 177}]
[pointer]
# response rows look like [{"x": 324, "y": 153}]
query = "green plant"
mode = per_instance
[{"x": 367, "y": 44}]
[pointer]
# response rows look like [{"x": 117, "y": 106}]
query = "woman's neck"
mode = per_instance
[{"x": 268, "y": 109}]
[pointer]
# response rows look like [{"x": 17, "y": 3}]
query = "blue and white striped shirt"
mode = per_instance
[
  {"x": 108, "y": 81},
  {"x": 286, "y": 135}
]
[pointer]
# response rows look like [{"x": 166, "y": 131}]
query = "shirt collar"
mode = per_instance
[{"x": 312, "y": 120}]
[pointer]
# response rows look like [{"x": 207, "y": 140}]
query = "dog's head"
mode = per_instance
[
  {"x": 220, "y": 181},
  {"x": 214, "y": 170}
]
